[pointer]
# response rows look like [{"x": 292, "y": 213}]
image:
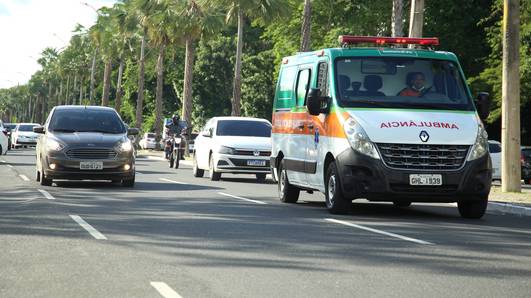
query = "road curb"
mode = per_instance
[{"x": 507, "y": 208}]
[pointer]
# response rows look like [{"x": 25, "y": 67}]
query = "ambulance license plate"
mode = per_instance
[
  {"x": 425, "y": 179},
  {"x": 256, "y": 163},
  {"x": 91, "y": 165}
]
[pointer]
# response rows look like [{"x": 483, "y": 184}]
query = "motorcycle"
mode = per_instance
[{"x": 174, "y": 149}]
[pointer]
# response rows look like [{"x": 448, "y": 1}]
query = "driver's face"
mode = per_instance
[{"x": 418, "y": 81}]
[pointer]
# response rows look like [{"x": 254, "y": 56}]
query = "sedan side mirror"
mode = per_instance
[
  {"x": 133, "y": 131},
  {"x": 483, "y": 105},
  {"x": 38, "y": 129}
]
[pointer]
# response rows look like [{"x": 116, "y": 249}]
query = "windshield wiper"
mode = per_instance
[
  {"x": 100, "y": 131},
  {"x": 63, "y": 130}
]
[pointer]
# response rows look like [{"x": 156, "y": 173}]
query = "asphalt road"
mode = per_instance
[{"x": 174, "y": 235}]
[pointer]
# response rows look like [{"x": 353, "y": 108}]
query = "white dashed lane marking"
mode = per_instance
[
  {"x": 95, "y": 233},
  {"x": 243, "y": 199},
  {"x": 345, "y": 223},
  {"x": 165, "y": 290},
  {"x": 46, "y": 194},
  {"x": 172, "y": 181}
]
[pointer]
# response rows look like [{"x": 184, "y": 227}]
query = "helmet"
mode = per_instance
[{"x": 175, "y": 119}]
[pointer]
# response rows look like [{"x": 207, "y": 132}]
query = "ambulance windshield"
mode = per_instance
[{"x": 392, "y": 82}]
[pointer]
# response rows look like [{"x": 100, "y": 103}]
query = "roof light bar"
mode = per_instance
[{"x": 349, "y": 39}]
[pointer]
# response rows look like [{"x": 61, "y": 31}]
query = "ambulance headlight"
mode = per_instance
[
  {"x": 481, "y": 146},
  {"x": 358, "y": 139}
]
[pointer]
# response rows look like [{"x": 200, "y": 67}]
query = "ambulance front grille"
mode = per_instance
[{"x": 423, "y": 157}]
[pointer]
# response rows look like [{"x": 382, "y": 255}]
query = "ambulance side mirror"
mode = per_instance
[
  {"x": 314, "y": 102},
  {"x": 483, "y": 105}
]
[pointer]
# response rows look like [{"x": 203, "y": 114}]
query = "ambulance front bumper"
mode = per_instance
[{"x": 365, "y": 177}]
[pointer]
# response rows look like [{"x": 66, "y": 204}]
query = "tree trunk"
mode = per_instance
[
  {"x": 188, "y": 79},
  {"x": 511, "y": 168},
  {"x": 81, "y": 89},
  {"x": 158, "y": 93},
  {"x": 92, "y": 77},
  {"x": 60, "y": 94},
  {"x": 38, "y": 109},
  {"x": 140, "y": 98},
  {"x": 74, "y": 90},
  {"x": 187, "y": 87},
  {"x": 397, "y": 18},
  {"x": 118, "y": 100},
  {"x": 45, "y": 101},
  {"x": 106, "y": 83},
  {"x": 67, "y": 91},
  {"x": 306, "y": 26},
  {"x": 416, "y": 19},
  {"x": 236, "y": 92}
]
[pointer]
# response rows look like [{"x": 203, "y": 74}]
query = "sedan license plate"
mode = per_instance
[
  {"x": 91, "y": 165},
  {"x": 425, "y": 179},
  {"x": 256, "y": 163}
]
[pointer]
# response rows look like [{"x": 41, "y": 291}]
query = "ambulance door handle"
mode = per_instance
[
  {"x": 301, "y": 126},
  {"x": 310, "y": 126}
]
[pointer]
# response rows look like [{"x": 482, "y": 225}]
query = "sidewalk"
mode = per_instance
[{"x": 499, "y": 202}]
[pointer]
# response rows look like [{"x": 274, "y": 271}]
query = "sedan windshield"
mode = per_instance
[
  {"x": 26, "y": 127},
  {"x": 392, "y": 82},
  {"x": 244, "y": 128},
  {"x": 86, "y": 120}
]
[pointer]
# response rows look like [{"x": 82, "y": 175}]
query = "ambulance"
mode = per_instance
[{"x": 384, "y": 122}]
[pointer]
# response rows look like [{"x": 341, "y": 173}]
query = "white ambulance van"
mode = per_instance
[{"x": 381, "y": 123}]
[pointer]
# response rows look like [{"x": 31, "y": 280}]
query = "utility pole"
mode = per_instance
[
  {"x": 416, "y": 19},
  {"x": 511, "y": 167},
  {"x": 397, "y": 18}
]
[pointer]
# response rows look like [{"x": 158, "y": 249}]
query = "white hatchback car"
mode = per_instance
[
  {"x": 23, "y": 135},
  {"x": 495, "y": 156},
  {"x": 233, "y": 145},
  {"x": 148, "y": 141}
]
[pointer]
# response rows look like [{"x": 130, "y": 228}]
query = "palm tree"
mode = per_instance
[
  {"x": 306, "y": 26},
  {"x": 264, "y": 10},
  {"x": 142, "y": 10},
  {"x": 397, "y": 18},
  {"x": 195, "y": 21}
]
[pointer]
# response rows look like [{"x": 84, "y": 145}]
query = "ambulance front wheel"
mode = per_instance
[
  {"x": 288, "y": 193},
  {"x": 336, "y": 203}
]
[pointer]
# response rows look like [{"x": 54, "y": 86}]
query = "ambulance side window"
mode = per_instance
[
  {"x": 322, "y": 78},
  {"x": 303, "y": 83}
]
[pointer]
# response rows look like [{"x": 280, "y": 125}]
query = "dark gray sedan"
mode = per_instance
[{"x": 85, "y": 142}]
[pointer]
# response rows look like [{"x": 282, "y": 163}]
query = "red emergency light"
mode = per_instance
[{"x": 349, "y": 39}]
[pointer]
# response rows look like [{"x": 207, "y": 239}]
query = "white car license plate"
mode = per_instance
[
  {"x": 256, "y": 163},
  {"x": 91, "y": 165},
  {"x": 425, "y": 179}
]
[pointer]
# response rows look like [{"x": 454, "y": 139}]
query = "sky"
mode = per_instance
[{"x": 29, "y": 26}]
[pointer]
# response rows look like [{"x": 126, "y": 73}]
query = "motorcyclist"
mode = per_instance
[{"x": 173, "y": 129}]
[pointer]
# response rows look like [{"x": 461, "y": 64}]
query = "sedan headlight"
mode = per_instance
[
  {"x": 481, "y": 146},
  {"x": 53, "y": 145},
  {"x": 226, "y": 150},
  {"x": 125, "y": 146},
  {"x": 358, "y": 139}
]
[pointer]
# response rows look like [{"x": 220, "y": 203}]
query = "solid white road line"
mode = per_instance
[
  {"x": 165, "y": 290},
  {"x": 46, "y": 194},
  {"x": 240, "y": 198},
  {"x": 172, "y": 181},
  {"x": 24, "y": 177},
  {"x": 88, "y": 227},
  {"x": 377, "y": 231}
]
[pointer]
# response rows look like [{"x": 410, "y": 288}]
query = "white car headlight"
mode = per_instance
[
  {"x": 226, "y": 150},
  {"x": 125, "y": 146},
  {"x": 53, "y": 145},
  {"x": 358, "y": 139},
  {"x": 481, "y": 146}
]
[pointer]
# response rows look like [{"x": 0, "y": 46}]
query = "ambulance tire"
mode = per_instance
[
  {"x": 473, "y": 209},
  {"x": 288, "y": 193},
  {"x": 402, "y": 204},
  {"x": 336, "y": 203}
]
